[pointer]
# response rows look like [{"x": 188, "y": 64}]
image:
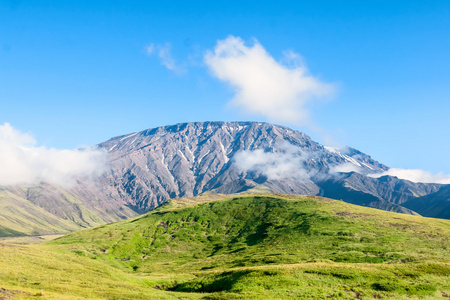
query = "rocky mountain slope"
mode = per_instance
[
  {"x": 435, "y": 205},
  {"x": 154, "y": 165},
  {"x": 386, "y": 192}
]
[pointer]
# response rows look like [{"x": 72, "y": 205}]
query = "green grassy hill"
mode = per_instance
[{"x": 244, "y": 247}]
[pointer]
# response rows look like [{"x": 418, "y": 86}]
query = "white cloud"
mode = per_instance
[
  {"x": 263, "y": 86},
  {"x": 22, "y": 162},
  {"x": 415, "y": 175},
  {"x": 275, "y": 166},
  {"x": 346, "y": 168},
  {"x": 165, "y": 56}
]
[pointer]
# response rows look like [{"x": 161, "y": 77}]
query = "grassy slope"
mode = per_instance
[
  {"x": 39, "y": 272},
  {"x": 20, "y": 216},
  {"x": 249, "y": 247}
]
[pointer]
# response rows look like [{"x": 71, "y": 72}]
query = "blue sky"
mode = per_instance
[{"x": 76, "y": 73}]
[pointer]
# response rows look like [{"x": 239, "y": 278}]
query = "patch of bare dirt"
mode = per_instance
[{"x": 8, "y": 294}]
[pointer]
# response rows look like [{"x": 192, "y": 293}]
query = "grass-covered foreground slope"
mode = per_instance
[
  {"x": 40, "y": 272},
  {"x": 245, "y": 247}
]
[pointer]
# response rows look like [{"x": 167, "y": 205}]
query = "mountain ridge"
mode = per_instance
[
  {"x": 149, "y": 167},
  {"x": 197, "y": 157}
]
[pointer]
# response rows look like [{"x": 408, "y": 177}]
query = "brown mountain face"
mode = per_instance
[{"x": 152, "y": 166}]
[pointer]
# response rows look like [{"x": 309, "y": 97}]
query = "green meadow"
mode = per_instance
[{"x": 256, "y": 246}]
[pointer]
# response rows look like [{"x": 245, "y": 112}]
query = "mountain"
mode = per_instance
[
  {"x": 188, "y": 159},
  {"x": 149, "y": 167},
  {"x": 152, "y": 166},
  {"x": 386, "y": 192},
  {"x": 435, "y": 205}
]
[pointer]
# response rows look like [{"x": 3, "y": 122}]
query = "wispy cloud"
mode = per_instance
[
  {"x": 283, "y": 165},
  {"x": 346, "y": 168},
  {"x": 278, "y": 91},
  {"x": 415, "y": 175},
  {"x": 164, "y": 52},
  {"x": 22, "y": 162}
]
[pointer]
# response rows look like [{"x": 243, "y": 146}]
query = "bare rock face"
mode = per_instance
[
  {"x": 154, "y": 165},
  {"x": 188, "y": 159}
]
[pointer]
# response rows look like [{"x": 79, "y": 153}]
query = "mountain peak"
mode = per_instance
[{"x": 187, "y": 159}]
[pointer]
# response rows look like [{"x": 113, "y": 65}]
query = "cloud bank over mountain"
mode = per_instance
[
  {"x": 279, "y": 91},
  {"x": 283, "y": 165},
  {"x": 22, "y": 162},
  {"x": 415, "y": 175}
]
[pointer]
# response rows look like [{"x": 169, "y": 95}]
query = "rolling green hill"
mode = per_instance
[{"x": 243, "y": 247}]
